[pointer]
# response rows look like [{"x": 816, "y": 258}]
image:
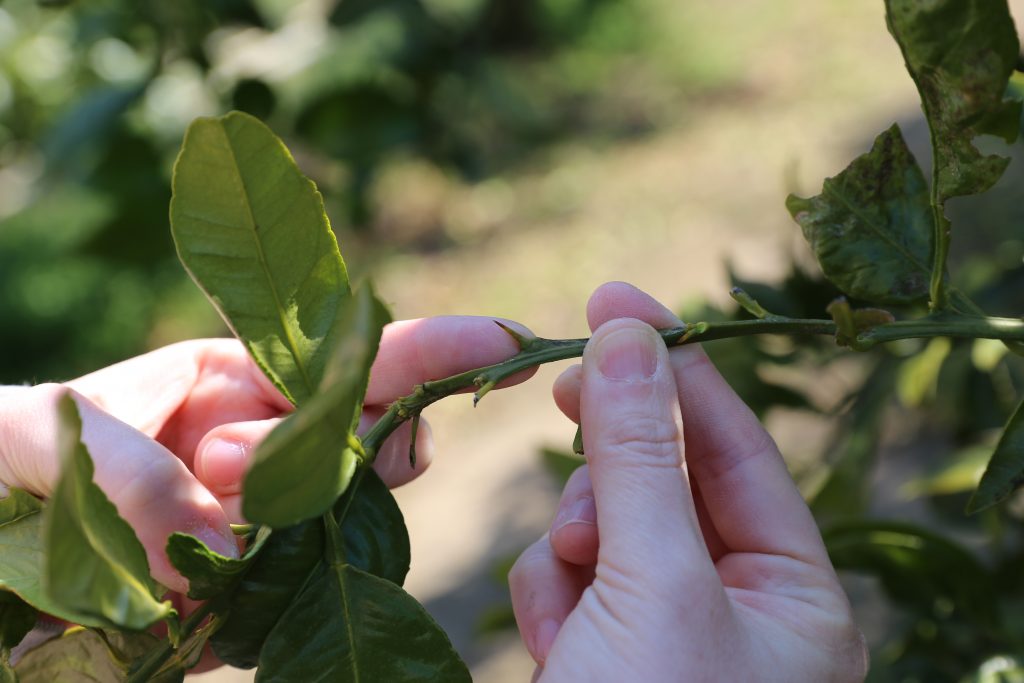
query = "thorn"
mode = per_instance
[
  {"x": 577, "y": 442},
  {"x": 412, "y": 440},
  {"x": 482, "y": 391},
  {"x": 521, "y": 340},
  {"x": 748, "y": 303}
]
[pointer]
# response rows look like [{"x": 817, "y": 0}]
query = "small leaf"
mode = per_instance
[
  {"x": 277, "y": 574},
  {"x": 209, "y": 573},
  {"x": 871, "y": 226},
  {"x": 307, "y": 461},
  {"x": 21, "y": 556},
  {"x": 348, "y": 625},
  {"x": 960, "y": 54},
  {"x": 252, "y": 232},
  {"x": 16, "y": 619},
  {"x": 1005, "y": 471},
  {"x": 94, "y": 561},
  {"x": 88, "y": 656},
  {"x": 915, "y": 566}
]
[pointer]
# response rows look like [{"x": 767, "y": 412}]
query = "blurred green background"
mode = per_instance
[{"x": 505, "y": 157}]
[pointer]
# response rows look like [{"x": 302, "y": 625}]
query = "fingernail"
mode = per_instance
[
  {"x": 545, "y": 638},
  {"x": 216, "y": 541},
  {"x": 580, "y": 511},
  {"x": 628, "y": 354},
  {"x": 223, "y": 463}
]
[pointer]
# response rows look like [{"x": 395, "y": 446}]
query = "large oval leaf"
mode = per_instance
[
  {"x": 1005, "y": 471},
  {"x": 960, "y": 54},
  {"x": 307, "y": 461},
  {"x": 252, "y": 232},
  {"x": 94, "y": 562},
  {"x": 83, "y": 656},
  {"x": 374, "y": 536},
  {"x": 350, "y": 626},
  {"x": 209, "y": 573},
  {"x": 871, "y": 226}
]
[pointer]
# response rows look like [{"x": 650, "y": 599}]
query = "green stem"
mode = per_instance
[
  {"x": 148, "y": 667},
  {"x": 537, "y": 351}
]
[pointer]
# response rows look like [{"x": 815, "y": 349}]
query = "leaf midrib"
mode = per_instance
[
  {"x": 265, "y": 267},
  {"x": 876, "y": 229}
]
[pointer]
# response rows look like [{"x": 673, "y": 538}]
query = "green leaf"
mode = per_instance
[
  {"x": 871, "y": 226},
  {"x": 1005, "y": 471},
  {"x": 209, "y": 573},
  {"x": 916, "y": 567},
  {"x": 88, "y": 656},
  {"x": 21, "y": 556},
  {"x": 374, "y": 539},
  {"x": 307, "y": 461},
  {"x": 374, "y": 535},
  {"x": 960, "y": 54},
  {"x": 94, "y": 562},
  {"x": 7, "y": 674},
  {"x": 999, "y": 669},
  {"x": 252, "y": 232},
  {"x": 16, "y": 619},
  {"x": 277, "y": 574},
  {"x": 348, "y": 625}
]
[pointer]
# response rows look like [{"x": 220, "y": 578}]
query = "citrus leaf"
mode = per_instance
[
  {"x": 94, "y": 562},
  {"x": 87, "y": 656},
  {"x": 1005, "y": 471},
  {"x": 915, "y": 566},
  {"x": 871, "y": 226},
  {"x": 960, "y": 54},
  {"x": 348, "y": 625},
  {"x": 21, "y": 556},
  {"x": 252, "y": 232},
  {"x": 307, "y": 461},
  {"x": 273, "y": 580},
  {"x": 209, "y": 573},
  {"x": 374, "y": 535}
]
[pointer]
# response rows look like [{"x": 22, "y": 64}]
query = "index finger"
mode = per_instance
[
  {"x": 416, "y": 351},
  {"x": 742, "y": 477}
]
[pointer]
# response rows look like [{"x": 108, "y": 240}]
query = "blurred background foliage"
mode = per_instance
[{"x": 416, "y": 117}]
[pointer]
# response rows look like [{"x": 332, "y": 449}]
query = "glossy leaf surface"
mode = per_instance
[
  {"x": 21, "y": 556},
  {"x": 871, "y": 226},
  {"x": 960, "y": 54},
  {"x": 1005, "y": 471},
  {"x": 209, "y": 573},
  {"x": 348, "y": 625},
  {"x": 251, "y": 230},
  {"x": 375, "y": 538},
  {"x": 82, "y": 656},
  {"x": 94, "y": 562},
  {"x": 277, "y": 574},
  {"x": 307, "y": 461}
]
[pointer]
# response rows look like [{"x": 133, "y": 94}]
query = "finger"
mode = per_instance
[
  {"x": 751, "y": 499},
  {"x": 567, "y": 394},
  {"x": 146, "y": 391},
  {"x": 566, "y": 391},
  {"x": 150, "y": 487},
  {"x": 416, "y": 351},
  {"x": 633, "y": 439},
  {"x": 223, "y": 455},
  {"x": 392, "y": 462},
  {"x": 544, "y": 591},
  {"x": 573, "y": 532}
]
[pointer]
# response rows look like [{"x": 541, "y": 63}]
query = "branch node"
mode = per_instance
[{"x": 748, "y": 303}]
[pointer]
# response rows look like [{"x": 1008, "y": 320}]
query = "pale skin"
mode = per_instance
[{"x": 681, "y": 552}]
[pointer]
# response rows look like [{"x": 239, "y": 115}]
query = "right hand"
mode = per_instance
[{"x": 678, "y": 553}]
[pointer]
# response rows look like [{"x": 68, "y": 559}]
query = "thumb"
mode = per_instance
[
  {"x": 150, "y": 487},
  {"x": 633, "y": 439}
]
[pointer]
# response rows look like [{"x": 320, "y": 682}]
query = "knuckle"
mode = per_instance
[{"x": 644, "y": 438}]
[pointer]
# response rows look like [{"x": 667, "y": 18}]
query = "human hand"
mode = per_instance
[
  {"x": 682, "y": 551},
  {"x": 171, "y": 431}
]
